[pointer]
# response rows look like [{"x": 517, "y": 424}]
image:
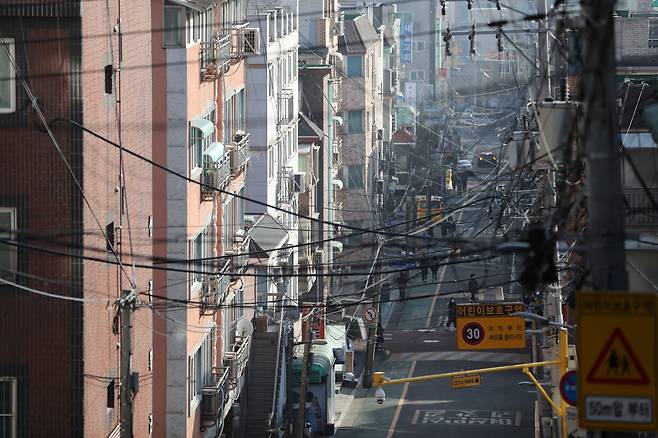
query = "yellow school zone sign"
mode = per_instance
[
  {"x": 489, "y": 326},
  {"x": 617, "y": 361}
]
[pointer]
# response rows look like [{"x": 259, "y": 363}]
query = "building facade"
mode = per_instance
[
  {"x": 203, "y": 140},
  {"x": 75, "y": 214}
]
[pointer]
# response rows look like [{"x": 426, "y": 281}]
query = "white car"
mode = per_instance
[{"x": 463, "y": 165}]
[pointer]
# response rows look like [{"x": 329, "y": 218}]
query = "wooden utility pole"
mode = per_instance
[{"x": 307, "y": 338}]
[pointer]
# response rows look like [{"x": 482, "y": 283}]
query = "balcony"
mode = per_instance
[
  {"x": 387, "y": 86},
  {"x": 216, "y": 175},
  {"x": 239, "y": 151},
  {"x": 214, "y": 290},
  {"x": 284, "y": 189},
  {"x": 239, "y": 255},
  {"x": 215, "y": 57},
  {"x": 286, "y": 106},
  {"x": 214, "y": 396},
  {"x": 236, "y": 362},
  {"x": 640, "y": 213}
]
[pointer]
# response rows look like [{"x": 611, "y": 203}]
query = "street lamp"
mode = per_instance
[{"x": 542, "y": 320}]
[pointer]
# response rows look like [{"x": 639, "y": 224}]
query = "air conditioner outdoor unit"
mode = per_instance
[
  {"x": 239, "y": 235},
  {"x": 299, "y": 182},
  {"x": 251, "y": 41}
]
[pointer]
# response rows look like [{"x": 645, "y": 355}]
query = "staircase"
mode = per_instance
[{"x": 260, "y": 383}]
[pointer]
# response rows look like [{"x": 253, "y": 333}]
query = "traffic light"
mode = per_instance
[
  {"x": 499, "y": 38},
  {"x": 471, "y": 38},
  {"x": 447, "y": 36}
]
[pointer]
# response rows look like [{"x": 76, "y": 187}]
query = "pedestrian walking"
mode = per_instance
[
  {"x": 452, "y": 313},
  {"x": 402, "y": 283},
  {"x": 424, "y": 268},
  {"x": 452, "y": 227},
  {"x": 444, "y": 229},
  {"x": 473, "y": 288},
  {"x": 434, "y": 267}
]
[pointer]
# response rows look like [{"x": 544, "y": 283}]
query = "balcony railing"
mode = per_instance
[
  {"x": 239, "y": 151},
  {"x": 214, "y": 396},
  {"x": 215, "y": 176},
  {"x": 236, "y": 362},
  {"x": 640, "y": 212},
  {"x": 215, "y": 57},
  {"x": 214, "y": 290},
  {"x": 239, "y": 256}
]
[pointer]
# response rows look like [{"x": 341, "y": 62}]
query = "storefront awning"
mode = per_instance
[
  {"x": 322, "y": 363},
  {"x": 205, "y": 126},
  {"x": 215, "y": 151}
]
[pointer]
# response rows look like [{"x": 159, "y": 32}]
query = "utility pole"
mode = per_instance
[
  {"x": 604, "y": 195},
  {"x": 606, "y": 255},
  {"x": 303, "y": 386},
  {"x": 126, "y": 307}
]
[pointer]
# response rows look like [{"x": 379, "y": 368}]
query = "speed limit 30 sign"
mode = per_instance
[
  {"x": 472, "y": 333},
  {"x": 489, "y": 326}
]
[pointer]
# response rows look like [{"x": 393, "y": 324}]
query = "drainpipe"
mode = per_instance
[{"x": 330, "y": 173}]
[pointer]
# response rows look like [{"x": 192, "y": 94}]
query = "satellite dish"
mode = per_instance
[{"x": 243, "y": 328}]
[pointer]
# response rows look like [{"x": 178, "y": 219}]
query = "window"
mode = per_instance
[
  {"x": 174, "y": 26},
  {"x": 7, "y": 252},
  {"x": 202, "y": 135},
  {"x": 8, "y": 407},
  {"x": 355, "y": 176},
  {"x": 199, "y": 368},
  {"x": 228, "y": 224},
  {"x": 355, "y": 66},
  {"x": 417, "y": 75},
  {"x": 270, "y": 162},
  {"x": 7, "y": 74},
  {"x": 200, "y": 249},
  {"x": 419, "y": 46},
  {"x": 261, "y": 287},
  {"x": 653, "y": 32},
  {"x": 355, "y": 122},
  {"x": 109, "y": 237},
  {"x": 110, "y": 394}
]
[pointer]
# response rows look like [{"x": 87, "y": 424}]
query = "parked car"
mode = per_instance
[{"x": 464, "y": 165}]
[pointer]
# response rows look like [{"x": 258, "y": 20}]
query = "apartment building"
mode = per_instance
[
  {"x": 201, "y": 132},
  {"x": 361, "y": 132},
  {"x": 74, "y": 215},
  {"x": 274, "y": 184}
]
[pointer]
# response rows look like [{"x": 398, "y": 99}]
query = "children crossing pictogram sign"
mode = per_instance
[
  {"x": 617, "y": 363},
  {"x": 617, "y": 340}
]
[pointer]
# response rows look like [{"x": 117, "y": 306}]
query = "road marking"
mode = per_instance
[
  {"x": 470, "y": 356},
  {"x": 431, "y": 341},
  {"x": 438, "y": 286},
  {"x": 398, "y": 409}
]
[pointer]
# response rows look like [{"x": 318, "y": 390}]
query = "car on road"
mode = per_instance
[
  {"x": 487, "y": 159},
  {"x": 464, "y": 165}
]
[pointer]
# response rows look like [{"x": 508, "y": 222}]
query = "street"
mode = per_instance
[{"x": 417, "y": 343}]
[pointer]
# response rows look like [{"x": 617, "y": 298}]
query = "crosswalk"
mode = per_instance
[{"x": 471, "y": 356}]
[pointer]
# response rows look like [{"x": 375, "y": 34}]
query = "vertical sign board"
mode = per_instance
[
  {"x": 406, "y": 43},
  {"x": 317, "y": 322},
  {"x": 489, "y": 326},
  {"x": 617, "y": 361}
]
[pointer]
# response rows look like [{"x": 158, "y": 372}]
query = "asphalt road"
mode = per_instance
[{"x": 417, "y": 343}]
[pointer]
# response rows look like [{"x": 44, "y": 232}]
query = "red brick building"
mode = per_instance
[{"x": 59, "y": 342}]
